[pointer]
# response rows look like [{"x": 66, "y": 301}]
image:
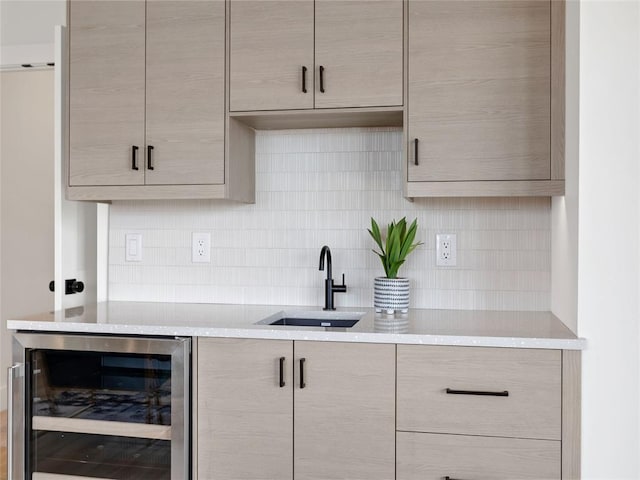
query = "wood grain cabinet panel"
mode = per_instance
[
  {"x": 479, "y": 90},
  {"x": 532, "y": 378},
  {"x": 271, "y": 41},
  {"x": 340, "y": 425},
  {"x": 245, "y": 419},
  {"x": 345, "y": 416},
  {"x": 423, "y": 456},
  {"x": 106, "y": 91},
  {"x": 147, "y": 110},
  {"x": 185, "y": 92},
  {"x": 359, "y": 45}
]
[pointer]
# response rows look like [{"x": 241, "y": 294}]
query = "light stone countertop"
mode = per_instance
[{"x": 427, "y": 327}]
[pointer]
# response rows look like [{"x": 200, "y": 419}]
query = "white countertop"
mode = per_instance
[{"x": 427, "y": 327}]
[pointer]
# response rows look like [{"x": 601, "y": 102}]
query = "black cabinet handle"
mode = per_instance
[
  {"x": 302, "y": 383},
  {"x": 282, "y": 372},
  {"x": 304, "y": 79},
  {"x": 415, "y": 151},
  {"x": 321, "y": 79},
  {"x": 149, "y": 158},
  {"x": 134, "y": 157},
  {"x": 450, "y": 391},
  {"x": 449, "y": 478}
]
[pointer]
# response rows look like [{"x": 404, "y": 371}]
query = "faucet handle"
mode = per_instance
[{"x": 340, "y": 288}]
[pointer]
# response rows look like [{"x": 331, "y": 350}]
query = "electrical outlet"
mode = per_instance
[
  {"x": 446, "y": 251},
  {"x": 201, "y": 247}
]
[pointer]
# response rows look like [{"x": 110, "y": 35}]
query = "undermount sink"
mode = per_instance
[{"x": 306, "y": 318}]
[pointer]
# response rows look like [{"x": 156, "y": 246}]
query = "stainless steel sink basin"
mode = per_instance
[{"x": 307, "y": 318}]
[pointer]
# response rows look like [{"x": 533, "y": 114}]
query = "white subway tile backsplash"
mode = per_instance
[{"x": 317, "y": 187}]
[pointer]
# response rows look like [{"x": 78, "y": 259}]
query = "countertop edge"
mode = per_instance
[{"x": 279, "y": 334}]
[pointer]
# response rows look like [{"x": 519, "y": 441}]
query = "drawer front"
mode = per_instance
[
  {"x": 425, "y": 456},
  {"x": 532, "y": 378}
]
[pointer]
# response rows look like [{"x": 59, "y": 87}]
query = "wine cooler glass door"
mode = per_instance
[{"x": 114, "y": 412}]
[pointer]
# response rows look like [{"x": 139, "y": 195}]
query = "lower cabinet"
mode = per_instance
[
  {"x": 425, "y": 456},
  {"x": 244, "y": 422},
  {"x": 273, "y": 409},
  {"x": 481, "y": 413},
  {"x": 307, "y": 410}
]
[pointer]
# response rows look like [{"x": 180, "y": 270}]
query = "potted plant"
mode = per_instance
[{"x": 391, "y": 293}]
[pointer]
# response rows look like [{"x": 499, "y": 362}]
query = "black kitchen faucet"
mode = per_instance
[{"x": 329, "y": 287}]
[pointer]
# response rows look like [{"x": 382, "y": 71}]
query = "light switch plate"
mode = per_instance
[
  {"x": 446, "y": 250},
  {"x": 133, "y": 247}
]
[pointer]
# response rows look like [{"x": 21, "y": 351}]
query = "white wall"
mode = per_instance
[
  {"x": 609, "y": 218},
  {"x": 317, "y": 187},
  {"x": 27, "y": 30},
  {"x": 26, "y": 36},
  {"x": 26, "y": 229}
]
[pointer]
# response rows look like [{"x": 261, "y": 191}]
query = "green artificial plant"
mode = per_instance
[{"x": 398, "y": 244}]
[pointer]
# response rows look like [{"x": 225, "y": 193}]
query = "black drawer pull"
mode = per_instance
[
  {"x": 134, "y": 157},
  {"x": 415, "y": 151},
  {"x": 302, "y": 383},
  {"x": 450, "y": 478},
  {"x": 282, "y": 372},
  {"x": 321, "y": 79},
  {"x": 304, "y": 79},
  {"x": 149, "y": 159},
  {"x": 450, "y": 391}
]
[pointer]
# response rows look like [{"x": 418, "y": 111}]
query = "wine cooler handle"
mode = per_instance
[{"x": 15, "y": 418}]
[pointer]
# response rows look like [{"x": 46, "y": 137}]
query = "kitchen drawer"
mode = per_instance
[
  {"x": 532, "y": 378},
  {"x": 425, "y": 456}
]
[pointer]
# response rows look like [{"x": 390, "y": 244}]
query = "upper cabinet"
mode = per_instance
[
  {"x": 146, "y": 101},
  {"x": 164, "y": 94},
  {"x": 271, "y": 57},
  {"x": 185, "y": 92},
  {"x": 480, "y": 99},
  {"x": 106, "y": 92},
  {"x": 358, "y": 53},
  {"x": 323, "y": 54}
]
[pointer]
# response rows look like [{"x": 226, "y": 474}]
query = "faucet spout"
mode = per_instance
[
  {"x": 329, "y": 287},
  {"x": 325, "y": 252}
]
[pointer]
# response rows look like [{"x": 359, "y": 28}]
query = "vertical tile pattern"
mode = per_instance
[{"x": 321, "y": 187}]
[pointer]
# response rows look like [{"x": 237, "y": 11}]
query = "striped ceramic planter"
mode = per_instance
[{"x": 391, "y": 294}]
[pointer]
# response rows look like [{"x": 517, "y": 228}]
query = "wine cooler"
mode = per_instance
[{"x": 99, "y": 407}]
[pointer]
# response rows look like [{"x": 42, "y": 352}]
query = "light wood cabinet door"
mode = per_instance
[
  {"x": 271, "y": 43},
  {"x": 106, "y": 91},
  {"x": 244, "y": 417},
  {"x": 520, "y": 391},
  {"x": 359, "y": 44},
  {"x": 185, "y": 92},
  {"x": 423, "y": 456},
  {"x": 479, "y": 90},
  {"x": 344, "y": 423}
]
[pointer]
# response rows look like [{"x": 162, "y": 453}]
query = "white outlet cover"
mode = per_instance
[
  {"x": 446, "y": 250},
  {"x": 133, "y": 247},
  {"x": 201, "y": 247}
]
